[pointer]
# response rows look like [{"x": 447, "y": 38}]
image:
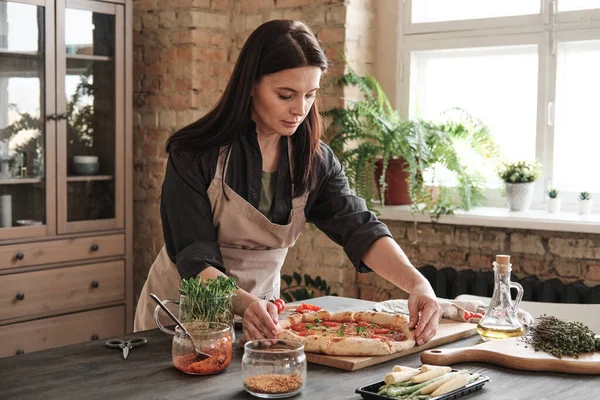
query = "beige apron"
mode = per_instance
[{"x": 253, "y": 247}]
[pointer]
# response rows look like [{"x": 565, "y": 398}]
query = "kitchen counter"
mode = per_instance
[{"x": 92, "y": 371}]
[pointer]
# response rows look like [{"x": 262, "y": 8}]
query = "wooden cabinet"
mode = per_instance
[
  {"x": 63, "y": 330},
  {"x": 65, "y": 171}
]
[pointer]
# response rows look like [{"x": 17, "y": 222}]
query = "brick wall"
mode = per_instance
[
  {"x": 568, "y": 256},
  {"x": 184, "y": 52}
]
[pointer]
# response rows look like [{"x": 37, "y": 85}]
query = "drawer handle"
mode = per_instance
[
  {"x": 95, "y": 284},
  {"x": 20, "y": 256},
  {"x": 20, "y": 296},
  {"x": 95, "y": 337},
  {"x": 19, "y": 352},
  {"x": 95, "y": 247}
]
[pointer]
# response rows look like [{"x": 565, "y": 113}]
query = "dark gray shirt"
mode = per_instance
[{"x": 189, "y": 233}]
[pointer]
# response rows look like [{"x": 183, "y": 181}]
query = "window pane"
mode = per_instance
[
  {"x": 453, "y": 10},
  {"x": 497, "y": 85},
  {"x": 19, "y": 27},
  {"x": 576, "y": 136},
  {"x": 573, "y": 5}
]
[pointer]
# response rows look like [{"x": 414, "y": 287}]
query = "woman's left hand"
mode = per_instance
[{"x": 425, "y": 312}]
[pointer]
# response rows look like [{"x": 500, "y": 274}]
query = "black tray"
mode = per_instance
[{"x": 369, "y": 392}]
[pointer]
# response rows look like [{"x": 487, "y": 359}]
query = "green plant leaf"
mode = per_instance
[
  {"x": 308, "y": 280},
  {"x": 323, "y": 285},
  {"x": 287, "y": 279},
  {"x": 301, "y": 294},
  {"x": 297, "y": 278},
  {"x": 318, "y": 282}
]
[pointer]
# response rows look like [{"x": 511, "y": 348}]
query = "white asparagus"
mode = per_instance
[
  {"x": 427, "y": 367},
  {"x": 431, "y": 374},
  {"x": 434, "y": 385},
  {"x": 398, "y": 377},
  {"x": 401, "y": 368},
  {"x": 457, "y": 382}
]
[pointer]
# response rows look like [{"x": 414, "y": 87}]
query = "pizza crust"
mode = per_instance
[
  {"x": 398, "y": 347},
  {"x": 311, "y": 317},
  {"x": 357, "y": 346},
  {"x": 342, "y": 316}
]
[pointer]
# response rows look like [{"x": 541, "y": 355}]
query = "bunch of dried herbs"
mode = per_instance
[
  {"x": 207, "y": 299},
  {"x": 561, "y": 338}
]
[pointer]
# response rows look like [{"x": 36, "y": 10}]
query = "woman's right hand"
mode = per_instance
[{"x": 260, "y": 320}]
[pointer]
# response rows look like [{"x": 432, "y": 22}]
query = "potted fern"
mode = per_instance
[
  {"x": 382, "y": 136},
  {"x": 585, "y": 203},
  {"x": 553, "y": 200},
  {"x": 519, "y": 178},
  {"x": 370, "y": 139}
]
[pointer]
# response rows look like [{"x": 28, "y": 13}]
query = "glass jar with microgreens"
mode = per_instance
[{"x": 205, "y": 300}]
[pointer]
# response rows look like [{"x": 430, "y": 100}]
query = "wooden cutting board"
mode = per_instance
[
  {"x": 448, "y": 331},
  {"x": 513, "y": 353}
]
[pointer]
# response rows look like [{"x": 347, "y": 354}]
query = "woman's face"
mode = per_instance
[{"x": 281, "y": 101}]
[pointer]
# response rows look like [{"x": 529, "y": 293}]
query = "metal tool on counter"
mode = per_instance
[
  {"x": 199, "y": 355},
  {"x": 126, "y": 345}
]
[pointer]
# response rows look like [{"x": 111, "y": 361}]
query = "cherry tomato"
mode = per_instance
[
  {"x": 381, "y": 331},
  {"x": 280, "y": 304},
  {"x": 305, "y": 308},
  {"x": 300, "y": 326},
  {"x": 477, "y": 316},
  {"x": 311, "y": 307},
  {"x": 468, "y": 315}
]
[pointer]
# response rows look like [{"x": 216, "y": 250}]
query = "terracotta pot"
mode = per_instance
[{"x": 395, "y": 176}]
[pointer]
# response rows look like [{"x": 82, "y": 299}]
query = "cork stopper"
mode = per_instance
[{"x": 503, "y": 263}]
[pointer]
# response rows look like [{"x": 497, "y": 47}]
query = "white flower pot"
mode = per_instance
[
  {"x": 519, "y": 195},
  {"x": 554, "y": 205},
  {"x": 585, "y": 206}
]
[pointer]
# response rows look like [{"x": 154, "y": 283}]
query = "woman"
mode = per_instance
[{"x": 242, "y": 181}]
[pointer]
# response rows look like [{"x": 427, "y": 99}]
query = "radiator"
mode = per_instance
[{"x": 449, "y": 283}]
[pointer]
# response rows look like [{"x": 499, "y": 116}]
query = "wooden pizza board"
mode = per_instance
[
  {"x": 513, "y": 353},
  {"x": 448, "y": 331}
]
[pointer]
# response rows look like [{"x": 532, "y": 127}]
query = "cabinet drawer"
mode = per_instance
[
  {"x": 61, "y": 331},
  {"x": 53, "y": 290},
  {"x": 36, "y": 253}
]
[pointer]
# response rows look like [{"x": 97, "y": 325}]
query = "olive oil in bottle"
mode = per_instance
[
  {"x": 488, "y": 332},
  {"x": 500, "y": 320}
]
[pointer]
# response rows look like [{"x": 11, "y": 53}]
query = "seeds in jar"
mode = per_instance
[{"x": 274, "y": 383}]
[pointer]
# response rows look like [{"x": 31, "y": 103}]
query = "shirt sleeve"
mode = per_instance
[
  {"x": 190, "y": 237},
  {"x": 341, "y": 215}
]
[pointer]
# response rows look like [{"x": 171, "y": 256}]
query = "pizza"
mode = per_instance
[{"x": 365, "y": 333}]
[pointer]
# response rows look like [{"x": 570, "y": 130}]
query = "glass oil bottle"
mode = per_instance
[{"x": 500, "y": 320}]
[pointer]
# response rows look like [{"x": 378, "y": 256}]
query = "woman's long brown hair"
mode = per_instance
[{"x": 274, "y": 46}]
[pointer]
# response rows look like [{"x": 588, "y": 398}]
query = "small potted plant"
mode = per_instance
[
  {"x": 585, "y": 203},
  {"x": 553, "y": 200},
  {"x": 519, "y": 177}
]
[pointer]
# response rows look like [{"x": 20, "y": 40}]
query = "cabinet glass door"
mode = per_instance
[
  {"x": 90, "y": 103},
  {"x": 26, "y": 130}
]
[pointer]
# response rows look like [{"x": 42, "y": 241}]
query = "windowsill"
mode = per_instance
[{"x": 503, "y": 218}]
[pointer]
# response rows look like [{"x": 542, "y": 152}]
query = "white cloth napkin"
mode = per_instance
[{"x": 451, "y": 309}]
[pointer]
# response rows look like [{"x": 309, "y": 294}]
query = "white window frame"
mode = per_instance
[
  {"x": 410, "y": 28},
  {"x": 545, "y": 30}
]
